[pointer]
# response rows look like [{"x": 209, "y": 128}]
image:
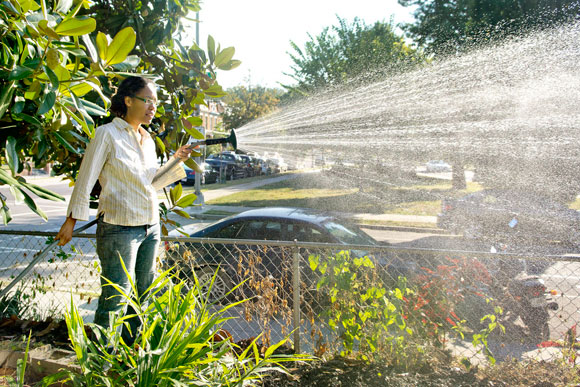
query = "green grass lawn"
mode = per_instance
[{"x": 323, "y": 192}]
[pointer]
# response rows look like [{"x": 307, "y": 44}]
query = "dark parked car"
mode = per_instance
[
  {"x": 273, "y": 224},
  {"x": 511, "y": 216},
  {"x": 249, "y": 168},
  {"x": 229, "y": 163},
  {"x": 210, "y": 175}
]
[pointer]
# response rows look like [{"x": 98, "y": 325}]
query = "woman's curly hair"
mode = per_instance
[{"x": 128, "y": 88}]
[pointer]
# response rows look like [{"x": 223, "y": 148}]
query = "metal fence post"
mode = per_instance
[{"x": 296, "y": 294}]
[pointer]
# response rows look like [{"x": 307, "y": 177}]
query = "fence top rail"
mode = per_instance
[{"x": 332, "y": 246}]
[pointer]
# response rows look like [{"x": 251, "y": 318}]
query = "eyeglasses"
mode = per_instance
[{"x": 147, "y": 101}]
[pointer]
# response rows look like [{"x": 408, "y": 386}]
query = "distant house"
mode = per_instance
[{"x": 211, "y": 116}]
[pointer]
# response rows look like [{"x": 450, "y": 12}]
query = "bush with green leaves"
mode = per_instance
[
  {"x": 368, "y": 319},
  {"x": 406, "y": 324},
  {"x": 178, "y": 344}
]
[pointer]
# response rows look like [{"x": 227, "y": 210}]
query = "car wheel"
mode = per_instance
[{"x": 221, "y": 286}]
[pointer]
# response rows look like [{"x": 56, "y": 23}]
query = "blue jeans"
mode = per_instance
[{"x": 137, "y": 246}]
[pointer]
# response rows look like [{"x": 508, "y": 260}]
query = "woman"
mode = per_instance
[{"x": 122, "y": 157}]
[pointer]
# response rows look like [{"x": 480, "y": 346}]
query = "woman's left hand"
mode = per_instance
[{"x": 184, "y": 152}]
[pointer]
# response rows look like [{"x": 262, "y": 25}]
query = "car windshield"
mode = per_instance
[{"x": 348, "y": 235}]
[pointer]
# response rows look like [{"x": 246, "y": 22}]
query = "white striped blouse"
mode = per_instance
[{"x": 125, "y": 163}]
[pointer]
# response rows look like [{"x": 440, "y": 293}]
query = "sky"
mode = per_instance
[{"x": 261, "y": 31}]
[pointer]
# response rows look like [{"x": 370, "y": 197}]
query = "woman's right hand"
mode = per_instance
[{"x": 66, "y": 231}]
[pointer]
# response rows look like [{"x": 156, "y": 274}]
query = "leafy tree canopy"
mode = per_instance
[
  {"x": 349, "y": 50},
  {"x": 449, "y": 25},
  {"x": 60, "y": 61},
  {"x": 245, "y": 104}
]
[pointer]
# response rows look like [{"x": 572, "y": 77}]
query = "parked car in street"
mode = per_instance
[
  {"x": 249, "y": 169},
  {"x": 210, "y": 175},
  {"x": 272, "y": 224},
  {"x": 278, "y": 164},
  {"x": 265, "y": 167},
  {"x": 229, "y": 164},
  {"x": 437, "y": 166},
  {"x": 511, "y": 216}
]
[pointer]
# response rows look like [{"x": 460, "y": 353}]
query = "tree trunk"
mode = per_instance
[{"x": 458, "y": 177}]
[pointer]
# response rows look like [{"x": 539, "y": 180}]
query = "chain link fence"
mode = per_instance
[{"x": 329, "y": 298}]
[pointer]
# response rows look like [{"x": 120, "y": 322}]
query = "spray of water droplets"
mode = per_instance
[{"x": 510, "y": 111}]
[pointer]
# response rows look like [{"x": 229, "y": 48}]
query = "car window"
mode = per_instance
[
  {"x": 230, "y": 231},
  {"x": 252, "y": 230},
  {"x": 272, "y": 231},
  {"x": 261, "y": 230},
  {"x": 305, "y": 233},
  {"x": 348, "y": 235}
]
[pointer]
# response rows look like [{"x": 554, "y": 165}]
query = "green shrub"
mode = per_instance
[
  {"x": 405, "y": 325},
  {"x": 177, "y": 345}
]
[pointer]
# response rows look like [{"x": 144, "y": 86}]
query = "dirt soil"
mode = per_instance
[{"x": 351, "y": 373}]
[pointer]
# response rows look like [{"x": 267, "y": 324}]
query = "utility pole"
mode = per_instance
[{"x": 198, "y": 160}]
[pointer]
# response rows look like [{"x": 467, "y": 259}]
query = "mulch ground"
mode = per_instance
[{"x": 342, "y": 372}]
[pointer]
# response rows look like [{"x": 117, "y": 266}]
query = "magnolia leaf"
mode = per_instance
[
  {"x": 52, "y": 77},
  {"x": 47, "y": 103},
  {"x": 28, "y": 5},
  {"x": 95, "y": 84},
  {"x": 232, "y": 64},
  {"x": 175, "y": 193},
  {"x": 193, "y": 165},
  {"x": 43, "y": 192},
  {"x": 63, "y": 6},
  {"x": 30, "y": 203},
  {"x": 130, "y": 63},
  {"x": 80, "y": 88},
  {"x": 18, "y": 196},
  {"x": 28, "y": 118},
  {"x": 122, "y": 44},
  {"x": 6, "y": 216},
  {"x": 181, "y": 213},
  {"x": 160, "y": 144},
  {"x": 186, "y": 201},
  {"x": 7, "y": 179},
  {"x": 194, "y": 133},
  {"x": 215, "y": 91},
  {"x": 79, "y": 121},
  {"x": 33, "y": 91},
  {"x": 195, "y": 121},
  {"x": 20, "y": 72},
  {"x": 52, "y": 58},
  {"x": 12, "y": 154},
  {"x": 102, "y": 45},
  {"x": 65, "y": 143},
  {"x": 90, "y": 48},
  {"x": 224, "y": 56},
  {"x": 76, "y": 26},
  {"x": 46, "y": 30},
  {"x": 94, "y": 109},
  {"x": 6, "y": 97},
  {"x": 62, "y": 74},
  {"x": 211, "y": 48}
]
